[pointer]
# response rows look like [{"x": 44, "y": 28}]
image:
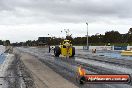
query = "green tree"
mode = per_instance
[
  {"x": 7, "y": 43},
  {"x": 112, "y": 37},
  {"x": 1, "y": 42}
]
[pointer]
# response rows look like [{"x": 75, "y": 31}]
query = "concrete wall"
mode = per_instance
[
  {"x": 129, "y": 47},
  {"x": 93, "y": 47},
  {"x": 2, "y": 49},
  {"x": 101, "y": 47},
  {"x": 107, "y": 48},
  {"x": 78, "y": 47}
]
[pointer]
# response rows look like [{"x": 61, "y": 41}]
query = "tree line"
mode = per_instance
[
  {"x": 5, "y": 43},
  {"x": 109, "y": 38}
]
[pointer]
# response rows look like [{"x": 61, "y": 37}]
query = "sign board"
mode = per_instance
[{"x": 120, "y": 47}]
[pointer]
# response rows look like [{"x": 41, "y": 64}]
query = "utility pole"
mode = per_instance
[{"x": 87, "y": 35}]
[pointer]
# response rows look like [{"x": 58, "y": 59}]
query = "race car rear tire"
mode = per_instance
[
  {"x": 73, "y": 51},
  {"x": 57, "y": 51}
]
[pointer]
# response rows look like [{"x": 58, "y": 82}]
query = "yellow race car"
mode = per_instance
[{"x": 65, "y": 49}]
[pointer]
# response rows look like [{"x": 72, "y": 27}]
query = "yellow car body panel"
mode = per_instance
[{"x": 66, "y": 51}]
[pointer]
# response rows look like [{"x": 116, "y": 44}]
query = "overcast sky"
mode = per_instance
[{"x": 22, "y": 20}]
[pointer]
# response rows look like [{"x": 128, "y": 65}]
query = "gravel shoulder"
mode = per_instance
[{"x": 44, "y": 77}]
